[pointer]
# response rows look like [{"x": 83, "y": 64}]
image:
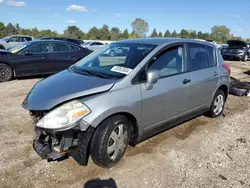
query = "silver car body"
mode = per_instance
[
  {"x": 169, "y": 99},
  {"x": 14, "y": 40}
]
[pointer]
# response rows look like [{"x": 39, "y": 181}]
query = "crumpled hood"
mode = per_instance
[
  {"x": 233, "y": 43},
  {"x": 62, "y": 87}
]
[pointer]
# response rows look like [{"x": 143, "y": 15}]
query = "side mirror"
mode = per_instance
[
  {"x": 28, "y": 53},
  {"x": 7, "y": 41},
  {"x": 152, "y": 77}
]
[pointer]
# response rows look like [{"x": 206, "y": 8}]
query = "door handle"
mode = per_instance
[
  {"x": 71, "y": 56},
  {"x": 185, "y": 81},
  {"x": 215, "y": 73},
  {"x": 44, "y": 57}
]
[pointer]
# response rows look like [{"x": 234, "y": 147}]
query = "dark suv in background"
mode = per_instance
[{"x": 236, "y": 49}]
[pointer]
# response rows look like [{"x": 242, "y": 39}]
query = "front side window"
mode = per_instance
[
  {"x": 38, "y": 48},
  {"x": 197, "y": 57},
  {"x": 170, "y": 62},
  {"x": 59, "y": 47},
  {"x": 104, "y": 62},
  {"x": 14, "y": 39}
]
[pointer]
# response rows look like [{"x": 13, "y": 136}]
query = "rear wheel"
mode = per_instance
[
  {"x": 218, "y": 104},
  {"x": 6, "y": 73},
  {"x": 110, "y": 141}
]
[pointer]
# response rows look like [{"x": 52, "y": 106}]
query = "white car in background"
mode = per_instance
[
  {"x": 14, "y": 40},
  {"x": 93, "y": 45}
]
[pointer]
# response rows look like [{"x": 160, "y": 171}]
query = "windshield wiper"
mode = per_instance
[{"x": 92, "y": 73}]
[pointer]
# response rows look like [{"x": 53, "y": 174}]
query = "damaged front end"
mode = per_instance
[{"x": 59, "y": 145}]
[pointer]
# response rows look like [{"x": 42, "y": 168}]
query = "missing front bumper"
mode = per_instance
[{"x": 61, "y": 145}]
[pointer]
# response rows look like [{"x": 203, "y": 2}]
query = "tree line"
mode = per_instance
[{"x": 140, "y": 28}]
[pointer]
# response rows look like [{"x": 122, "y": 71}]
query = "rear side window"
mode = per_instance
[
  {"x": 59, "y": 47},
  {"x": 197, "y": 57},
  {"x": 25, "y": 39},
  {"x": 74, "y": 48},
  {"x": 211, "y": 56}
]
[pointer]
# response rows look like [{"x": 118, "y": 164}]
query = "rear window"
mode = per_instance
[
  {"x": 197, "y": 57},
  {"x": 59, "y": 47}
]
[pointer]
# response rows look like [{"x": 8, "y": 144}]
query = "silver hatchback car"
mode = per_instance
[{"x": 103, "y": 103}]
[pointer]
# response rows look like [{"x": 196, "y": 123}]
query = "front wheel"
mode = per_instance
[
  {"x": 245, "y": 58},
  {"x": 6, "y": 73},
  {"x": 217, "y": 106},
  {"x": 110, "y": 141}
]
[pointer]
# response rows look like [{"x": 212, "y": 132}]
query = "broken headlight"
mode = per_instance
[{"x": 64, "y": 116}]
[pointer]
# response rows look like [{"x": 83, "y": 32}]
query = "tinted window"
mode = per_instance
[
  {"x": 170, "y": 62},
  {"x": 211, "y": 56},
  {"x": 25, "y": 39},
  {"x": 74, "y": 48},
  {"x": 38, "y": 48},
  {"x": 14, "y": 39},
  {"x": 197, "y": 57},
  {"x": 59, "y": 47}
]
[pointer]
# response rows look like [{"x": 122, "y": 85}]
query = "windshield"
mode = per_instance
[
  {"x": 17, "y": 48},
  {"x": 4, "y": 38},
  {"x": 115, "y": 60}
]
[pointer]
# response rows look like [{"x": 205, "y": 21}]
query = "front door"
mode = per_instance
[
  {"x": 34, "y": 60},
  {"x": 205, "y": 75},
  {"x": 169, "y": 96}
]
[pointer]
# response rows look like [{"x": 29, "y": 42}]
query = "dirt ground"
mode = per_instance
[{"x": 203, "y": 152}]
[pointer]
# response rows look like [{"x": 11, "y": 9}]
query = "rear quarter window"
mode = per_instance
[
  {"x": 74, "y": 48},
  {"x": 211, "y": 56}
]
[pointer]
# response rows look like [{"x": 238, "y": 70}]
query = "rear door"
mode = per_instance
[
  {"x": 61, "y": 56},
  {"x": 34, "y": 59},
  {"x": 169, "y": 96},
  {"x": 204, "y": 75}
]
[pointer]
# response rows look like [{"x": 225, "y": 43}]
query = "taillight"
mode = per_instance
[{"x": 226, "y": 66}]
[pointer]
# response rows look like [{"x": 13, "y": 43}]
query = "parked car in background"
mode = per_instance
[
  {"x": 103, "y": 103},
  {"x": 236, "y": 49},
  {"x": 14, "y": 40},
  {"x": 93, "y": 45},
  {"x": 75, "y": 41},
  {"x": 39, "y": 57},
  {"x": 117, "y": 51}
]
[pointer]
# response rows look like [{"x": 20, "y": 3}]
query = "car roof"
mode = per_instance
[
  {"x": 49, "y": 40},
  {"x": 20, "y": 36},
  {"x": 163, "y": 40}
]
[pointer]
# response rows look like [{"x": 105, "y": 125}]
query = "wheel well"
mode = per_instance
[
  {"x": 134, "y": 127},
  {"x": 224, "y": 88}
]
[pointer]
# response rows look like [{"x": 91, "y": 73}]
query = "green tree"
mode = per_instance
[
  {"x": 174, "y": 34},
  {"x": 133, "y": 35},
  {"x": 167, "y": 34},
  {"x": 73, "y": 32},
  {"x": 140, "y": 27},
  {"x": 18, "y": 28},
  {"x": 11, "y": 30},
  {"x": 160, "y": 34},
  {"x": 154, "y": 33},
  {"x": 104, "y": 32},
  {"x": 115, "y": 33},
  {"x": 199, "y": 35},
  {"x": 193, "y": 34},
  {"x": 248, "y": 39},
  {"x": 206, "y": 36},
  {"x": 2, "y": 30},
  {"x": 184, "y": 33},
  {"x": 125, "y": 34},
  {"x": 220, "y": 33}
]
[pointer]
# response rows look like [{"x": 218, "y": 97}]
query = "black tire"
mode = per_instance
[
  {"x": 2, "y": 47},
  {"x": 245, "y": 58},
  {"x": 101, "y": 140},
  {"x": 212, "y": 112},
  {"x": 6, "y": 73}
]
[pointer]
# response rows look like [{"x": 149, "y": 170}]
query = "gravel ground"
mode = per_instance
[{"x": 203, "y": 152}]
